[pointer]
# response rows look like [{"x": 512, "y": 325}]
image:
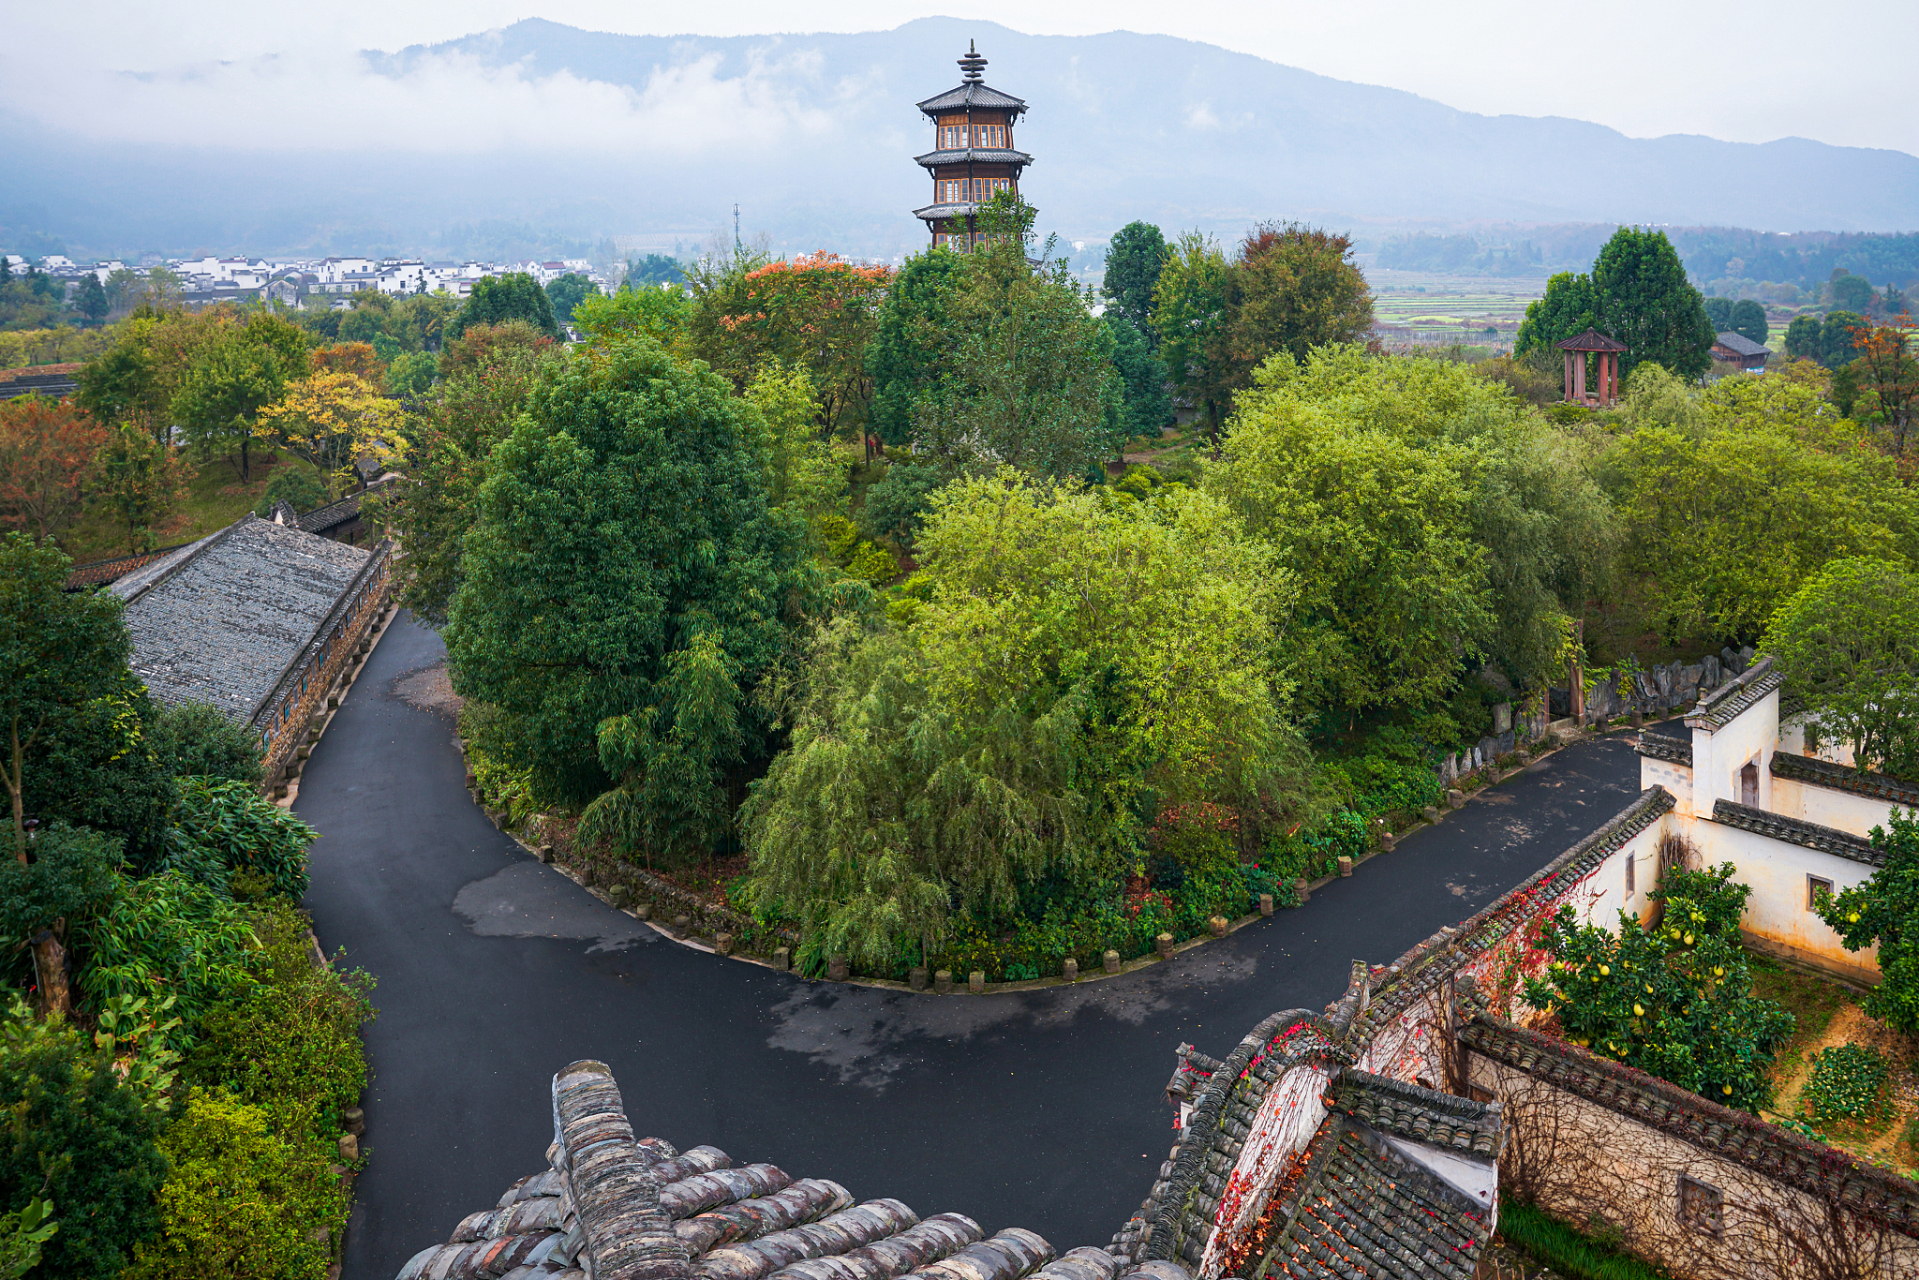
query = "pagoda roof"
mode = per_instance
[
  {"x": 972, "y": 93},
  {"x": 976, "y": 155},
  {"x": 1592, "y": 340},
  {"x": 957, "y": 209}
]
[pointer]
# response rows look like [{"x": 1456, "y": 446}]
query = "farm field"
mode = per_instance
[{"x": 1419, "y": 309}]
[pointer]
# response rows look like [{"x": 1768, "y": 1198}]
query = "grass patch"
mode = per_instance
[
  {"x": 1812, "y": 1002},
  {"x": 1568, "y": 1251},
  {"x": 215, "y": 499}
]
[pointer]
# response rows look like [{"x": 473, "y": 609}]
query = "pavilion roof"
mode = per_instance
[{"x": 1592, "y": 340}]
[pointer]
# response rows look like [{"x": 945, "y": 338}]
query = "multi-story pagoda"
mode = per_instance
[{"x": 974, "y": 158}]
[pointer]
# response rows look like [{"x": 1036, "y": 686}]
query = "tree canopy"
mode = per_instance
[
  {"x": 499, "y": 299},
  {"x": 1637, "y": 294},
  {"x": 624, "y": 589},
  {"x": 1133, "y": 262}
]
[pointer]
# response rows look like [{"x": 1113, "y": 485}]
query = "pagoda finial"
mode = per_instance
[{"x": 972, "y": 64}]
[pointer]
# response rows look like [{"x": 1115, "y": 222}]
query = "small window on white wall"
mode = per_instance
[
  {"x": 1631, "y": 862},
  {"x": 1818, "y": 892}
]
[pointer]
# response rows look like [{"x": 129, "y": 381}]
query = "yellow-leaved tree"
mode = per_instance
[{"x": 330, "y": 419}]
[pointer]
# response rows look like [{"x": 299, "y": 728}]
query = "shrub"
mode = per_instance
[
  {"x": 72, "y": 1133},
  {"x": 1848, "y": 1082},
  {"x": 169, "y": 935},
  {"x": 221, "y": 827},
  {"x": 299, "y": 487},
  {"x": 195, "y": 739},
  {"x": 1885, "y": 911},
  {"x": 291, "y": 1045},
  {"x": 896, "y": 506},
  {"x": 240, "y": 1200}
]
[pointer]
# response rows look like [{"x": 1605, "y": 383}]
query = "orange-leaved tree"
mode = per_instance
[
  {"x": 817, "y": 311},
  {"x": 46, "y": 449},
  {"x": 1889, "y": 377}
]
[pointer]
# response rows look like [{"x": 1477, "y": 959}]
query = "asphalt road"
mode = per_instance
[{"x": 1041, "y": 1109}]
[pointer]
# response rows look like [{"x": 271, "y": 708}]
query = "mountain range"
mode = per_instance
[{"x": 813, "y": 136}]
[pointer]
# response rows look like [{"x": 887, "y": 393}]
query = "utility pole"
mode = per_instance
[{"x": 736, "y": 230}]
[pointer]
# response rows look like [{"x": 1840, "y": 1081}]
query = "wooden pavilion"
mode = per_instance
[
  {"x": 1609, "y": 354},
  {"x": 1608, "y": 350},
  {"x": 974, "y": 158}
]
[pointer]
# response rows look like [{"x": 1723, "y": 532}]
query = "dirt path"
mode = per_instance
[{"x": 1850, "y": 1025}]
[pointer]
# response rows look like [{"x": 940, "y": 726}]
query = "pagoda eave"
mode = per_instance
[
  {"x": 973, "y": 155},
  {"x": 941, "y": 212}
]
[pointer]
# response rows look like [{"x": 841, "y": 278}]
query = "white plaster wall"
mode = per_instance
[
  {"x": 1676, "y": 778},
  {"x": 1846, "y": 810},
  {"x": 1717, "y": 756},
  {"x": 1792, "y": 740},
  {"x": 1778, "y": 914}
]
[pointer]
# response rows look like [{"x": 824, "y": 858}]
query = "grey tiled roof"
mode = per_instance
[
  {"x": 1419, "y": 1115},
  {"x": 973, "y": 93},
  {"x": 1661, "y": 746},
  {"x": 1831, "y": 1176},
  {"x": 220, "y": 621},
  {"x": 977, "y": 155},
  {"x": 1808, "y": 835},
  {"x": 617, "y": 1207},
  {"x": 1824, "y": 773},
  {"x": 1735, "y": 697},
  {"x": 958, "y": 209},
  {"x": 1362, "y": 1210},
  {"x": 335, "y": 514},
  {"x": 1740, "y": 345}
]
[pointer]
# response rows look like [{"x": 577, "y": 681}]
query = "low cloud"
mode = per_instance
[{"x": 444, "y": 103}]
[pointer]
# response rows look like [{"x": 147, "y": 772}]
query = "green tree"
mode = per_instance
[
  {"x": 1192, "y": 312},
  {"x": 1852, "y": 293},
  {"x": 652, "y": 271},
  {"x": 1884, "y": 912},
  {"x": 90, "y": 300},
  {"x": 624, "y": 590},
  {"x": 1143, "y": 378},
  {"x": 1027, "y": 377},
  {"x": 1426, "y": 514},
  {"x": 1719, "y": 311},
  {"x": 896, "y": 507},
  {"x": 1133, "y": 262},
  {"x": 223, "y": 829},
  {"x": 567, "y": 292},
  {"x": 1297, "y": 288},
  {"x": 1569, "y": 308},
  {"x": 141, "y": 479},
  {"x": 487, "y": 374},
  {"x": 660, "y": 314},
  {"x": 911, "y": 336},
  {"x": 1848, "y": 643},
  {"x": 232, "y": 377},
  {"x": 1727, "y": 520},
  {"x": 1075, "y": 664},
  {"x": 1838, "y": 337},
  {"x": 499, "y": 299},
  {"x": 803, "y": 472},
  {"x": 1748, "y": 319},
  {"x": 73, "y": 1133},
  {"x": 1645, "y": 301},
  {"x": 1804, "y": 339},
  {"x": 1674, "y": 1000}
]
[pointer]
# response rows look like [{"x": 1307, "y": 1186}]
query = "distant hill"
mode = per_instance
[{"x": 819, "y": 133}]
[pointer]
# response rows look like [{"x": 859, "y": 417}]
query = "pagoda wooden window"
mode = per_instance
[
  {"x": 952, "y": 137},
  {"x": 989, "y": 136}
]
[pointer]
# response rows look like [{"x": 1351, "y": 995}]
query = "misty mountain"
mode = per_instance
[{"x": 656, "y": 138}]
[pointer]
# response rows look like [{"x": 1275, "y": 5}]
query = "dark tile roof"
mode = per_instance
[
  {"x": 222, "y": 620},
  {"x": 1809, "y": 835},
  {"x": 335, "y": 514},
  {"x": 1824, "y": 773},
  {"x": 1740, "y": 345},
  {"x": 1734, "y": 698},
  {"x": 617, "y": 1207},
  {"x": 957, "y": 209},
  {"x": 978, "y": 155},
  {"x": 1830, "y": 1175},
  {"x": 97, "y": 573},
  {"x": 1416, "y": 1114},
  {"x": 1591, "y": 340},
  {"x": 1662, "y": 746},
  {"x": 973, "y": 93},
  {"x": 1362, "y": 1209}
]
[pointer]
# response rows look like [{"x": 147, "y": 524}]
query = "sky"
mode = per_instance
[{"x": 238, "y": 72}]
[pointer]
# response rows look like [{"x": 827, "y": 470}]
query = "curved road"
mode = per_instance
[{"x": 1040, "y": 1109}]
